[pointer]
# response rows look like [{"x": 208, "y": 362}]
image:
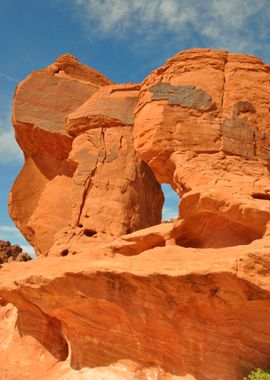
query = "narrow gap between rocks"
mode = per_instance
[{"x": 170, "y": 206}]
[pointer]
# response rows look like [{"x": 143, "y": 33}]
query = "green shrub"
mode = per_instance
[{"x": 259, "y": 374}]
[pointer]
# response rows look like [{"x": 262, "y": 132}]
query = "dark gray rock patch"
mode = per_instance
[{"x": 185, "y": 96}]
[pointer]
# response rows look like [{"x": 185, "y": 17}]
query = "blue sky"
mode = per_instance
[{"x": 123, "y": 39}]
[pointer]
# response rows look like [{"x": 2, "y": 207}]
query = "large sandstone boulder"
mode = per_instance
[
  {"x": 208, "y": 136},
  {"x": 82, "y": 175},
  {"x": 130, "y": 298}
]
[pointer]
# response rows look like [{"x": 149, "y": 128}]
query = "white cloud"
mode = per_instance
[
  {"x": 170, "y": 207},
  {"x": 237, "y": 25},
  {"x": 9, "y": 229},
  {"x": 29, "y": 249},
  {"x": 9, "y": 149},
  {"x": 12, "y": 234},
  {"x": 120, "y": 15},
  {"x": 169, "y": 213}
]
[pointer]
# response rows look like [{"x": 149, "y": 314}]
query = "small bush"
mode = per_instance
[{"x": 259, "y": 374}]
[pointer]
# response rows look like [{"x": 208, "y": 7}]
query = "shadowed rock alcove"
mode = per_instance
[{"x": 214, "y": 231}]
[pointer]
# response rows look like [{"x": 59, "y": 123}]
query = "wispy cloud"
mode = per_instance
[
  {"x": 171, "y": 200},
  {"x": 169, "y": 213},
  {"x": 9, "y": 229},
  {"x": 13, "y": 234},
  {"x": 237, "y": 25},
  {"x": 29, "y": 249},
  {"x": 9, "y": 149},
  {"x": 10, "y": 233}
]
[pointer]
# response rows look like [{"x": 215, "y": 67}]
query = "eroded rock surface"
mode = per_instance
[
  {"x": 167, "y": 313},
  {"x": 208, "y": 136},
  {"x": 121, "y": 296},
  {"x": 82, "y": 175}
]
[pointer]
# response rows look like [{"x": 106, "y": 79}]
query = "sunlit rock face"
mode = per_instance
[
  {"x": 82, "y": 176},
  {"x": 121, "y": 295},
  {"x": 208, "y": 136}
]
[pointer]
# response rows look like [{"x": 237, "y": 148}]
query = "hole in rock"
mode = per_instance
[
  {"x": 64, "y": 252},
  {"x": 89, "y": 233},
  {"x": 214, "y": 231},
  {"x": 170, "y": 206},
  {"x": 261, "y": 196}
]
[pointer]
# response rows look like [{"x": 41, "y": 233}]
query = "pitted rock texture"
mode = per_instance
[
  {"x": 82, "y": 173},
  {"x": 122, "y": 296}
]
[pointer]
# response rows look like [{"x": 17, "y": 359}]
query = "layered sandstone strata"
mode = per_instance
[{"x": 167, "y": 313}]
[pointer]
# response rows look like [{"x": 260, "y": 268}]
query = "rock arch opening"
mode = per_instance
[{"x": 170, "y": 205}]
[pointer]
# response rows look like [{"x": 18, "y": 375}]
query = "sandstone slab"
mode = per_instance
[{"x": 167, "y": 313}]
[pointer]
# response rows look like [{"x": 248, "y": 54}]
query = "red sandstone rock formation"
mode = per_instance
[
  {"x": 182, "y": 300},
  {"x": 82, "y": 173},
  {"x": 9, "y": 252},
  {"x": 208, "y": 135},
  {"x": 165, "y": 313}
]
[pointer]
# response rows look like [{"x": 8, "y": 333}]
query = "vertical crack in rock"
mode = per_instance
[
  {"x": 87, "y": 187},
  {"x": 254, "y": 143},
  {"x": 239, "y": 135},
  {"x": 103, "y": 143},
  {"x": 89, "y": 183},
  {"x": 224, "y": 85}
]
